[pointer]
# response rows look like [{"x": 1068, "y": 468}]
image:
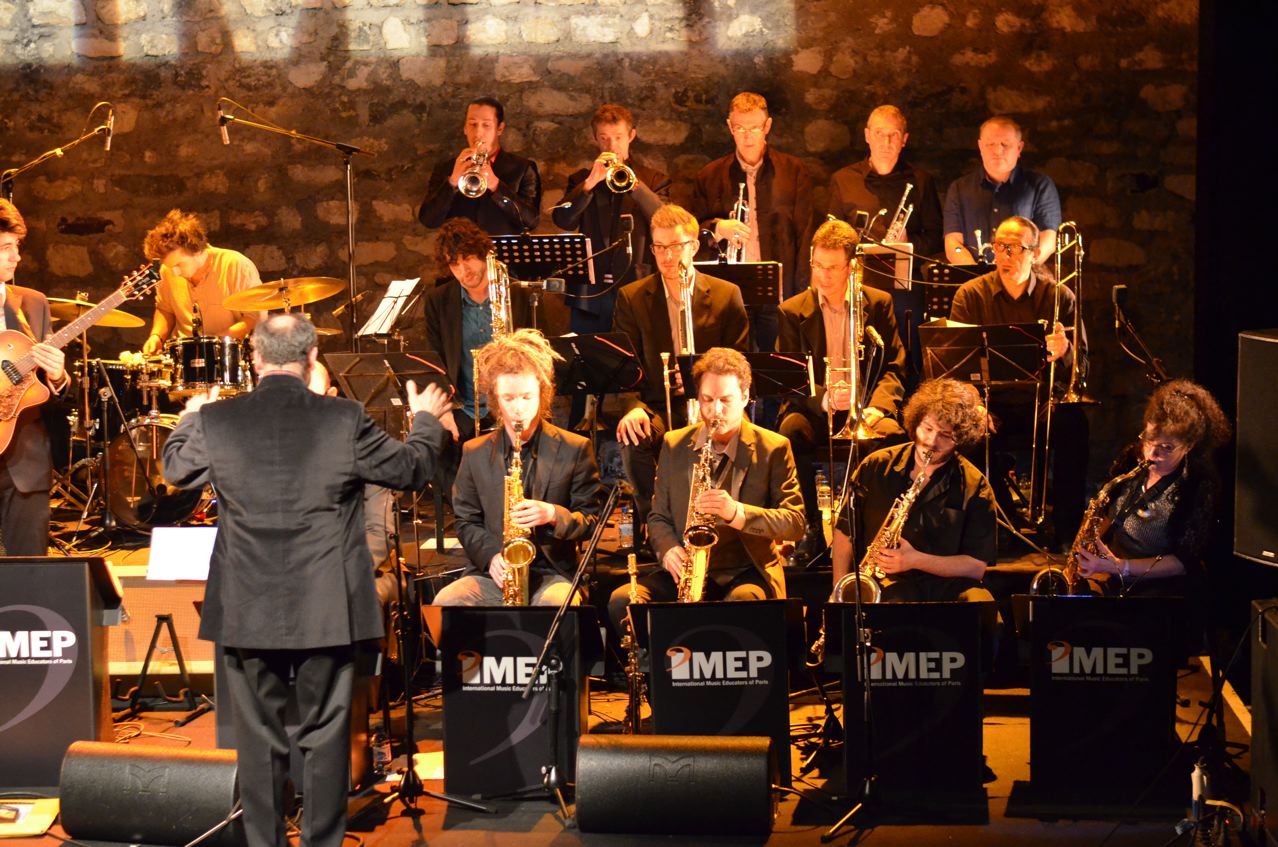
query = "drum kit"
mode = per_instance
[{"x": 128, "y": 406}]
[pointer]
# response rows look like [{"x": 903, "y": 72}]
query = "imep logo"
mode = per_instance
[{"x": 52, "y": 643}]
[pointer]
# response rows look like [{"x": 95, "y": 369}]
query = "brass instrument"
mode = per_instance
[
  {"x": 472, "y": 183},
  {"x": 502, "y": 320},
  {"x": 1065, "y": 581},
  {"x": 618, "y": 177},
  {"x": 686, "y": 279},
  {"x": 699, "y": 534},
  {"x": 896, "y": 229},
  {"x": 857, "y": 383},
  {"x": 740, "y": 212},
  {"x": 516, "y": 547},
  {"x": 630, "y": 643}
]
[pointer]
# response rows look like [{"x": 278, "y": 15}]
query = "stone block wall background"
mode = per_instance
[{"x": 1105, "y": 89}]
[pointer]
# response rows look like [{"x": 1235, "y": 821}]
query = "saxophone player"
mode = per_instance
[
  {"x": 752, "y": 498},
  {"x": 948, "y": 539},
  {"x": 562, "y": 496}
]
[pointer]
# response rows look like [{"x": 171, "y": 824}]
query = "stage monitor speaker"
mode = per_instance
[
  {"x": 148, "y": 795},
  {"x": 1256, "y": 486},
  {"x": 676, "y": 784},
  {"x": 1264, "y": 718}
]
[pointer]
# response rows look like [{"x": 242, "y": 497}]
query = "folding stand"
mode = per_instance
[
  {"x": 551, "y": 260},
  {"x": 760, "y": 282},
  {"x": 942, "y": 280},
  {"x": 595, "y": 365}
]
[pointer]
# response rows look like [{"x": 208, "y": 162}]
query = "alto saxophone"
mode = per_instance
[
  {"x": 865, "y": 579},
  {"x": 516, "y": 547},
  {"x": 1066, "y": 581},
  {"x": 699, "y": 534},
  {"x": 636, "y": 684}
]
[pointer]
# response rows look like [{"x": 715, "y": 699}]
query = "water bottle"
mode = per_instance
[
  {"x": 626, "y": 527},
  {"x": 381, "y": 751},
  {"x": 825, "y": 497}
]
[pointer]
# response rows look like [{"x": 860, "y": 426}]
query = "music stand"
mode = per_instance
[
  {"x": 376, "y": 381},
  {"x": 784, "y": 375},
  {"x": 942, "y": 280},
  {"x": 760, "y": 282},
  {"x": 595, "y": 365},
  {"x": 888, "y": 266}
]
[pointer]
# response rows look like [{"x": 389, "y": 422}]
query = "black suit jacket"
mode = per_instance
[
  {"x": 290, "y": 567},
  {"x": 785, "y": 211},
  {"x": 718, "y": 320},
  {"x": 596, "y": 214},
  {"x": 27, "y": 457},
  {"x": 564, "y": 474},
  {"x": 763, "y": 481},
  {"x": 512, "y": 206},
  {"x": 441, "y": 318},
  {"x": 802, "y": 330}
]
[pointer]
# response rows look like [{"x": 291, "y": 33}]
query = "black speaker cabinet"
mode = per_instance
[
  {"x": 1264, "y": 720},
  {"x": 148, "y": 795},
  {"x": 676, "y": 784},
  {"x": 1256, "y": 486}
]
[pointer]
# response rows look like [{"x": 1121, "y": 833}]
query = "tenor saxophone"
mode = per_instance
[
  {"x": 516, "y": 546},
  {"x": 699, "y": 534},
  {"x": 1066, "y": 581}
]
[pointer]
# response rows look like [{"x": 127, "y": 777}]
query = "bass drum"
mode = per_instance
[{"x": 140, "y": 498}]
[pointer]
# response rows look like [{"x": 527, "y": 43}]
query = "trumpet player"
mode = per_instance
[
  {"x": 596, "y": 198},
  {"x": 879, "y": 182},
  {"x": 777, "y": 193},
  {"x": 948, "y": 539},
  {"x": 753, "y": 499},
  {"x": 495, "y": 188},
  {"x": 655, "y": 312},
  {"x": 562, "y": 496},
  {"x": 819, "y": 323}
]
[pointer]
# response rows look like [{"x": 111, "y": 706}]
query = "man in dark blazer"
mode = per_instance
[
  {"x": 290, "y": 590},
  {"x": 559, "y": 481},
  {"x": 754, "y": 499},
  {"x": 26, "y": 465},
  {"x": 778, "y": 189},
  {"x": 511, "y": 200},
  {"x": 591, "y": 207},
  {"x": 457, "y": 314},
  {"x": 648, "y": 312},
  {"x": 804, "y": 322}
]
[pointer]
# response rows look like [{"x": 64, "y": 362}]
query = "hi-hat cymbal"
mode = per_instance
[
  {"x": 284, "y": 293},
  {"x": 69, "y": 310}
]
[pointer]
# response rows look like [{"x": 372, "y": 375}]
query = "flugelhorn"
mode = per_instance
[
  {"x": 472, "y": 183},
  {"x": 618, "y": 177}
]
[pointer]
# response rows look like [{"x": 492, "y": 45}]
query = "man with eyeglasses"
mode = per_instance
[
  {"x": 511, "y": 200},
  {"x": 817, "y": 323},
  {"x": 999, "y": 189},
  {"x": 778, "y": 191},
  {"x": 1019, "y": 291},
  {"x": 878, "y": 182},
  {"x": 650, "y": 312}
]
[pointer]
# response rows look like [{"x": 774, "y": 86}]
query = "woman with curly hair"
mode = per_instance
[{"x": 1157, "y": 523}]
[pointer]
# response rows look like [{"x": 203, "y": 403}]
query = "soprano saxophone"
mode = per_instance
[
  {"x": 516, "y": 545},
  {"x": 699, "y": 534}
]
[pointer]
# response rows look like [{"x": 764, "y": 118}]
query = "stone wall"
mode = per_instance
[{"x": 1105, "y": 89}]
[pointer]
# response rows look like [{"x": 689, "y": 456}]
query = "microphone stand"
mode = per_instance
[
  {"x": 554, "y": 665},
  {"x": 1154, "y": 370},
  {"x": 615, "y": 283},
  {"x": 347, "y": 151},
  {"x": 7, "y": 177}
]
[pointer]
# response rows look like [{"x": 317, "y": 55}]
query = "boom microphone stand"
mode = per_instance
[{"x": 7, "y": 177}]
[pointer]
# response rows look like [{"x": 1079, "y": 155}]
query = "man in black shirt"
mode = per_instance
[
  {"x": 947, "y": 540},
  {"x": 1018, "y": 292}
]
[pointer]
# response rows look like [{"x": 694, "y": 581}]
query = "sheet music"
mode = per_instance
[
  {"x": 387, "y": 312},
  {"x": 180, "y": 552}
]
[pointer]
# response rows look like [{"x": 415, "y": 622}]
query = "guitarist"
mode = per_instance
[{"x": 26, "y": 465}]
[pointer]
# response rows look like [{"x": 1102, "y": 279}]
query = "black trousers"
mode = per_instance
[
  {"x": 640, "y": 464},
  {"x": 260, "y": 683},
  {"x": 24, "y": 519},
  {"x": 660, "y": 587}
]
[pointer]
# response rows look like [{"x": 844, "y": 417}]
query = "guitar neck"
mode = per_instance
[{"x": 59, "y": 339}]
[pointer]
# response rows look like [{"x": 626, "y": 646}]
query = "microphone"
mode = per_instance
[
  {"x": 880, "y": 213},
  {"x": 628, "y": 227},
  {"x": 1119, "y": 295},
  {"x": 337, "y": 312},
  {"x": 110, "y": 131},
  {"x": 551, "y": 284},
  {"x": 222, "y": 121}
]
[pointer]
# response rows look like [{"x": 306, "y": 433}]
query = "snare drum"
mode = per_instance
[
  {"x": 140, "y": 498},
  {"x": 202, "y": 363}
]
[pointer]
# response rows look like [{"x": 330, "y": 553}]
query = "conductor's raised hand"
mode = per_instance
[{"x": 432, "y": 399}]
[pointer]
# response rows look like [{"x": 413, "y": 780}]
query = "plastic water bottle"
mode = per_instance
[
  {"x": 825, "y": 497},
  {"x": 381, "y": 751},
  {"x": 626, "y": 527}
]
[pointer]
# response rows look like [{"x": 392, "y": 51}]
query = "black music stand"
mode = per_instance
[
  {"x": 595, "y": 365},
  {"x": 942, "y": 280},
  {"x": 376, "y": 380},
  {"x": 760, "y": 282},
  {"x": 565, "y": 257}
]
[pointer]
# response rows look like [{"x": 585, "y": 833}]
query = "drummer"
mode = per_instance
[{"x": 196, "y": 278}]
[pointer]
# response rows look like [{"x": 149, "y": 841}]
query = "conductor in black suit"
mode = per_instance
[
  {"x": 510, "y": 201},
  {"x": 559, "y": 498},
  {"x": 290, "y": 590}
]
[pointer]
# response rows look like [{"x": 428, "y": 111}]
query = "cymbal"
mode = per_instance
[
  {"x": 69, "y": 310},
  {"x": 272, "y": 295},
  {"x": 327, "y": 331}
]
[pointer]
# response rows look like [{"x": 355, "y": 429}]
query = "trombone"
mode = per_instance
[
  {"x": 858, "y": 382},
  {"x": 689, "y": 348}
]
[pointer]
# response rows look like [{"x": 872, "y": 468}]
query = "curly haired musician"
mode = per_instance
[
  {"x": 562, "y": 494},
  {"x": 948, "y": 538},
  {"x": 754, "y": 500},
  {"x": 25, "y": 465}
]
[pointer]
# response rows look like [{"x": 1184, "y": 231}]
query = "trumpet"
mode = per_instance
[
  {"x": 896, "y": 230},
  {"x": 472, "y": 183},
  {"x": 740, "y": 212},
  {"x": 618, "y": 177}
]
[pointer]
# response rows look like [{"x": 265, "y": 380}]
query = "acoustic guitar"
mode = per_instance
[{"x": 19, "y": 388}]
